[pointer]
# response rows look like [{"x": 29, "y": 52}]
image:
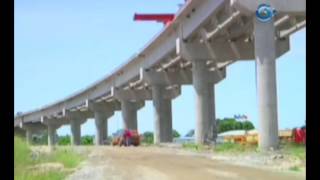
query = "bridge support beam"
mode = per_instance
[
  {"x": 52, "y": 124},
  {"x": 203, "y": 80},
  {"x": 52, "y": 131},
  {"x": 101, "y": 123},
  {"x": 130, "y": 102},
  {"x": 265, "y": 52},
  {"x": 162, "y": 97},
  {"x": 30, "y": 129},
  {"x": 129, "y": 115},
  {"x": 163, "y": 115},
  {"x": 75, "y": 132},
  {"x": 101, "y": 112},
  {"x": 29, "y": 133},
  {"x": 205, "y": 130}
]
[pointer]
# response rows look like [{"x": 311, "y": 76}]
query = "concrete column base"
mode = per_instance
[
  {"x": 29, "y": 134},
  {"x": 205, "y": 131},
  {"x": 75, "y": 132},
  {"x": 101, "y": 123},
  {"x": 163, "y": 115},
  {"x": 52, "y": 131}
]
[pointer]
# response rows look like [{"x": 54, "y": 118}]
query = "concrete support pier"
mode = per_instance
[
  {"x": 163, "y": 115},
  {"x": 129, "y": 114},
  {"x": 52, "y": 130},
  {"x": 101, "y": 123},
  {"x": 32, "y": 128},
  {"x": 75, "y": 132},
  {"x": 265, "y": 52},
  {"x": 29, "y": 133},
  {"x": 205, "y": 105}
]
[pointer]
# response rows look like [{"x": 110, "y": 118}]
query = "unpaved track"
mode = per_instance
[{"x": 151, "y": 163}]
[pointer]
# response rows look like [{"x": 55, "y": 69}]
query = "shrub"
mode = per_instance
[
  {"x": 148, "y": 137},
  {"x": 87, "y": 140},
  {"x": 175, "y": 133},
  {"x": 64, "y": 140}
]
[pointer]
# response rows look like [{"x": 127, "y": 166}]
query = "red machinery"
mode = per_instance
[
  {"x": 166, "y": 19},
  {"x": 300, "y": 136}
]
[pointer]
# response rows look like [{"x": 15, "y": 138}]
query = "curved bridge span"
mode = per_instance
[{"x": 195, "y": 49}]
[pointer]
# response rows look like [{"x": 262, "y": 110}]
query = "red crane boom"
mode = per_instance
[{"x": 163, "y": 18}]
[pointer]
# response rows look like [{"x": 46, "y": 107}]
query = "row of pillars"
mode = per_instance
[
  {"x": 205, "y": 130},
  {"x": 205, "y": 125}
]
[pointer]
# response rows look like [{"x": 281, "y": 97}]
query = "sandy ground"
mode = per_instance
[{"x": 146, "y": 163}]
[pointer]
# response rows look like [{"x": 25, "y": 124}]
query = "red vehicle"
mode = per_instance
[
  {"x": 127, "y": 138},
  {"x": 299, "y": 135}
]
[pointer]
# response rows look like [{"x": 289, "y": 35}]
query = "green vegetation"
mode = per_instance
[
  {"x": 51, "y": 175},
  {"x": 67, "y": 157},
  {"x": 294, "y": 168},
  {"x": 228, "y": 124},
  {"x": 195, "y": 147},
  {"x": 221, "y": 148},
  {"x": 25, "y": 160},
  {"x": 64, "y": 140},
  {"x": 87, "y": 140},
  {"x": 235, "y": 148},
  {"x": 175, "y": 133},
  {"x": 296, "y": 151},
  {"x": 40, "y": 139},
  {"x": 21, "y": 153},
  {"x": 147, "y": 138}
]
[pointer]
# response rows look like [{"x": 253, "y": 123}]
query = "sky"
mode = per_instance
[{"x": 63, "y": 46}]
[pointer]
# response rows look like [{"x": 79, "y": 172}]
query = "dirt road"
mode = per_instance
[{"x": 146, "y": 163}]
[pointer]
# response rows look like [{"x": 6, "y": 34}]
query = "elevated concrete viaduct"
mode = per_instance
[
  {"x": 195, "y": 49},
  {"x": 32, "y": 128}
]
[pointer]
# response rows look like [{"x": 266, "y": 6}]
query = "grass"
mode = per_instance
[
  {"x": 23, "y": 161},
  {"x": 294, "y": 168},
  {"x": 147, "y": 144},
  {"x": 195, "y": 147},
  {"x": 292, "y": 151},
  {"x": 221, "y": 148},
  {"x": 296, "y": 151},
  {"x": 67, "y": 157},
  {"x": 51, "y": 175},
  {"x": 235, "y": 148},
  {"x": 21, "y": 153}
]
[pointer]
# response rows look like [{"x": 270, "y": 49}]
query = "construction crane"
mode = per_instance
[{"x": 166, "y": 19}]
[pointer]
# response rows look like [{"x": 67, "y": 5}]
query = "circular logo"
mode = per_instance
[{"x": 265, "y": 13}]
